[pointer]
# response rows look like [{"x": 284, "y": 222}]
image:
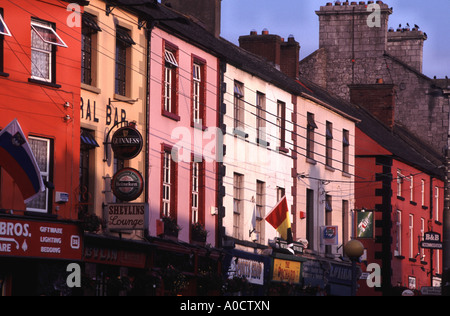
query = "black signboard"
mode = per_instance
[
  {"x": 127, "y": 184},
  {"x": 127, "y": 143},
  {"x": 431, "y": 240}
]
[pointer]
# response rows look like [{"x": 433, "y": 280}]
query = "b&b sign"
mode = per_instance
[{"x": 431, "y": 240}]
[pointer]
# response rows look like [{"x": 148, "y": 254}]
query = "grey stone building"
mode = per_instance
[{"x": 354, "y": 52}]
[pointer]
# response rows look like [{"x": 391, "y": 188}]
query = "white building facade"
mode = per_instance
[{"x": 258, "y": 157}]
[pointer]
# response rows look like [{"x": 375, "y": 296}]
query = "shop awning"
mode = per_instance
[{"x": 88, "y": 140}]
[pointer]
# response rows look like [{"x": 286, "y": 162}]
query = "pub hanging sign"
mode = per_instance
[
  {"x": 127, "y": 143},
  {"x": 127, "y": 184}
]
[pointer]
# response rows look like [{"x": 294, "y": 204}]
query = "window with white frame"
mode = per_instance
[
  {"x": 43, "y": 42},
  {"x": 41, "y": 151},
  {"x": 4, "y": 30},
  {"x": 195, "y": 193},
  {"x": 260, "y": 210},
  {"x": 197, "y": 94},
  {"x": 398, "y": 244},
  {"x": 345, "y": 150},
  {"x": 399, "y": 182},
  {"x": 239, "y": 122},
  {"x": 411, "y": 188},
  {"x": 281, "y": 124},
  {"x": 167, "y": 184},
  {"x": 423, "y": 192},
  {"x": 238, "y": 207},
  {"x": 436, "y": 203},
  {"x": 411, "y": 236},
  {"x": 261, "y": 117},
  {"x": 170, "y": 74}
]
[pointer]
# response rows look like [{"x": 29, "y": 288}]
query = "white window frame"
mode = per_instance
[
  {"x": 239, "y": 107},
  {"x": 411, "y": 188},
  {"x": 423, "y": 192},
  {"x": 195, "y": 192},
  {"x": 168, "y": 89},
  {"x": 197, "y": 82},
  {"x": 49, "y": 53},
  {"x": 398, "y": 250},
  {"x": 167, "y": 183},
  {"x": 170, "y": 58},
  {"x": 44, "y": 174},
  {"x": 35, "y": 25},
  {"x": 399, "y": 183},
  {"x": 238, "y": 204},
  {"x": 261, "y": 115},
  {"x": 411, "y": 236},
  {"x": 436, "y": 202},
  {"x": 7, "y": 31}
]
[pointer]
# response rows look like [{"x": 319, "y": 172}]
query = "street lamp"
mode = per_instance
[{"x": 354, "y": 249}]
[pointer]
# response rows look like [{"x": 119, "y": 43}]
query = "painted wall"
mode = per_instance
[
  {"x": 256, "y": 162},
  {"x": 315, "y": 175},
  {"x": 179, "y": 134},
  {"x": 40, "y": 108},
  {"x": 101, "y": 108},
  {"x": 423, "y": 213}
]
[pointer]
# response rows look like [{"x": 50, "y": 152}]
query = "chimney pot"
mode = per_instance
[
  {"x": 253, "y": 32},
  {"x": 380, "y": 81},
  {"x": 265, "y": 32}
]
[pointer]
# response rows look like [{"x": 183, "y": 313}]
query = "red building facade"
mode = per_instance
[
  {"x": 399, "y": 198},
  {"x": 40, "y": 87}
]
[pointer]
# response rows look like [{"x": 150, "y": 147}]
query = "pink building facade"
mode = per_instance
[{"x": 183, "y": 118}]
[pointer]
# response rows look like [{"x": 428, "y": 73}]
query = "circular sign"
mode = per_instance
[
  {"x": 127, "y": 184},
  {"x": 127, "y": 143}
]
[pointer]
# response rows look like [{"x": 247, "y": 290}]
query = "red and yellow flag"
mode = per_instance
[{"x": 280, "y": 219}]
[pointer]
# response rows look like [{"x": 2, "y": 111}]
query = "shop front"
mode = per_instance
[
  {"x": 116, "y": 267},
  {"x": 35, "y": 254},
  {"x": 246, "y": 273},
  {"x": 285, "y": 275},
  {"x": 323, "y": 276}
]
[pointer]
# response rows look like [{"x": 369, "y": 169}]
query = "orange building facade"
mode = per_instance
[{"x": 40, "y": 88}]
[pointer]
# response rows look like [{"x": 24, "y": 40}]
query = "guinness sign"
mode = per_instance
[
  {"x": 127, "y": 143},
  {"x": 127, "y": 184}
]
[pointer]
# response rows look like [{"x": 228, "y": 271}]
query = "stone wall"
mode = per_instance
[{"x": 353, "y": 53}]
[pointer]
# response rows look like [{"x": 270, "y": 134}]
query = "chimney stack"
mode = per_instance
[
  {"x": 207, "y": 12},
  {"x": 285, "y": 55}
]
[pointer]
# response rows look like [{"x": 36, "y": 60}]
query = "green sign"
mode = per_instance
[{"x": 364, "y": 228}]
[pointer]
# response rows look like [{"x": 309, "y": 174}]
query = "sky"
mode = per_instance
[{"x": 298, "y": 17}]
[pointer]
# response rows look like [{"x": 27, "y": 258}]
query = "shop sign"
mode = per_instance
[
  {"x": 286, "y": 271},
  {"x": 252, "y": 270},
  {"x": 116, "y": 257},
  {"x": 365, "y": 227},
  {"x": 127, "y": 184},
  {"x": 129, "y": 216},
  {"x": 22, "y": 238},
  {"x": 127, "y": 143},
  {"x": 329, "y": 235},
  {"x": 431, "y": 240},
  {"x": 313, "y": 273},
  {"x": 340, "y": 274}
]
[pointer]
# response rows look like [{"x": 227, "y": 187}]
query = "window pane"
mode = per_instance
[
  {"x": 48, "y": 35},
  {"x": 40, "y": 65},
  {"x": 3, "y": 27}
]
